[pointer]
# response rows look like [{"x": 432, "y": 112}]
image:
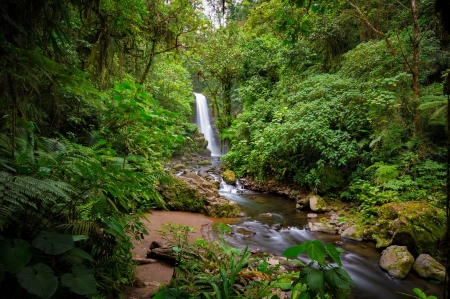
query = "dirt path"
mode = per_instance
[{"x": 152, "y": 275}]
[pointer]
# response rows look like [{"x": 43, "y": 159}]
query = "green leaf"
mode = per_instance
[
  {"x": 294, "y": 250},
  {"x": 14, "y": 256},
  {"x": 81, "y": 253},
  {"x": 53, "y": 243},
  {"x": 77, "y": 238},
  {"x": 115, "y": 225},
  {"x": 81, "y": 281},
  {"x": 316, "y": 251},
  {"x": 338, "y": 278},
  {"x": 313, "y": 278},
  {"x": 174, "y": 293},
  {"x": 334, "y": 253},
  {"x": 38, "y": 280}
]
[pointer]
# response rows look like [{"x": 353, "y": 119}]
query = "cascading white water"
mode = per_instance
[{"x": 203, "y": 122}]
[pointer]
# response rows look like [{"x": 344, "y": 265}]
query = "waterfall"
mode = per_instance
[{"x": 203, "y": 122}]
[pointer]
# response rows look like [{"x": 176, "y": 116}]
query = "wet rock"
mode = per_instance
[
  {"x": 204, "y": 162},
  {"x": 302, "y": 203},
  {"x": 229, "y": 177},
  {"x": 311, "y": 215},
  {"x": 429, "y": 268},
  {"x": 353, "y": 233},
  {"x": 323, "y": 227},
  {"x": 413, "y": 224},
  {"x": 334, "y": 217},
  {"x": 317, "y": 204},
  {"x": 397, "y": 261},
  {"x": 203, "y": 174},
  {"x": 179, "y": 166},
  {"x": 267, "y": 215}
]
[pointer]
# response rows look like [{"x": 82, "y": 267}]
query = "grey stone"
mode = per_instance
[
  {"x": 397, "y": 261},
  {"x": 428, "y": 267}
]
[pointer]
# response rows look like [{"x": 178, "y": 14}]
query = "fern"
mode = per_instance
[{"x": 384, "y": 173}]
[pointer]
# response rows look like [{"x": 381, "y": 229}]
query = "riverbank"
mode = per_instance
[{"x": 150, "y": 276}]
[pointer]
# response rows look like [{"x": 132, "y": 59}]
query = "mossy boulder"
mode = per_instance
[
  {"x": 397, "y": 261},
  {"x": 429, "y": 268},
  {"x": 317, "y": 204},
  {"x": 415, "y": 224},
  {"x": 179, "y": 196},
  {"x": 179, "y": 166},
  {"x": 204, "y": 162},
  {"x": 353, "y": 233},
  {"x": 229, "y": 177},
  {"x": 192, "y": 193}
]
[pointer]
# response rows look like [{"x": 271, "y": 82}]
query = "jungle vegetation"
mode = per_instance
[{"x": 342, "y": 97}]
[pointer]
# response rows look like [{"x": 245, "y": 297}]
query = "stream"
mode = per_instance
[
  {"x": 285, "y": 228},
  {"x": 272, "y": 224}
]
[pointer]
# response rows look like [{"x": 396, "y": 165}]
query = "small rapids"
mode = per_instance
[{"x": 273, "y": 224}]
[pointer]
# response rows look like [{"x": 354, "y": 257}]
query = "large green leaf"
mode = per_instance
[
  {"x": 313, "y": 278},
  {"x": 53, "y": 243},
  {"x": 294, "y": 251},
  {"x": 337, "y": 278},
  {"x": 115, "y": 225},
  {"x": 81, "y": 281},
  {"x": 81, "y": 253},
  {"x": 334, "y": 253},
  {"x": 14, "y": 255},
  {"x": 316, "y": 251},
  {"x": 38, "y": 280}
]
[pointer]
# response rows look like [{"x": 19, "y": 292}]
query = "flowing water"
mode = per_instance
[
  {"x": 272, "y": 224},
  {"x": 203, "y": 121}
]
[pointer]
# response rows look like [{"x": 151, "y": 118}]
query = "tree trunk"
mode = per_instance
[
  {"x": 415, "y": 66},
  {"x": 149, "y": 64}
]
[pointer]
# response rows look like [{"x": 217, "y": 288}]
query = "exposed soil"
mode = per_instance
[{"x": 151, "y": 276}]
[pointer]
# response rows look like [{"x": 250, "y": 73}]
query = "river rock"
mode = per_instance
[
  {"x": 323, "y": 227},
  {"x": 192, "y": 193},
  {"x": 229, "y": 177},
  {"x": 415, "y": 224},
  {"x": 429, "y": 268},
  {"x": 302, "y": 203},
  {"x": 179, "y": 166},
  {"x": 353, "y": 233},
  {"x": 317, "y": 204},
  {"x": 311, "y": 215},
  {"x": 397, "y": 261}
]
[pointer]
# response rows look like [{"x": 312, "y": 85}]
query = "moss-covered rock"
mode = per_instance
[
  {"x": 417, "y": 225},
  {"x": 317, "y": 204},
  {"x": 353, "y": 233},
  {"x": 397, "y": 261},
  {"x": 204, "y": 162},
  {"x": 192, "y": 193},
  {"x": 179, "y": 166},
  {"x": 229, "y": 177},
  {"x": 429, "y": 268},
  {"x": 179, "y": 196}
]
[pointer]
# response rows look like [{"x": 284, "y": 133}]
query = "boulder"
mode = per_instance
[
  {"x": 414, "y": 224},
  {"x": 302, "y": 203},
  {"x": 323, "y": 227},
  {"x": 429, "y": 268},
  {"x": 397, "y": 261},
  {"x": 317, "y": 204},
  {"x": 353, "y": 233},
  {"x": 229, "y": 177},
  {"x": 191, "y": 193},
  {"x": 204, "y": 162},
  {"x": 179, "y": 166}
]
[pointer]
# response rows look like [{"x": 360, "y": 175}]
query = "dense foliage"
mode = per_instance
[
  {"x": 82, "y": 143},
  {"x": 344, "y": 98}
]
